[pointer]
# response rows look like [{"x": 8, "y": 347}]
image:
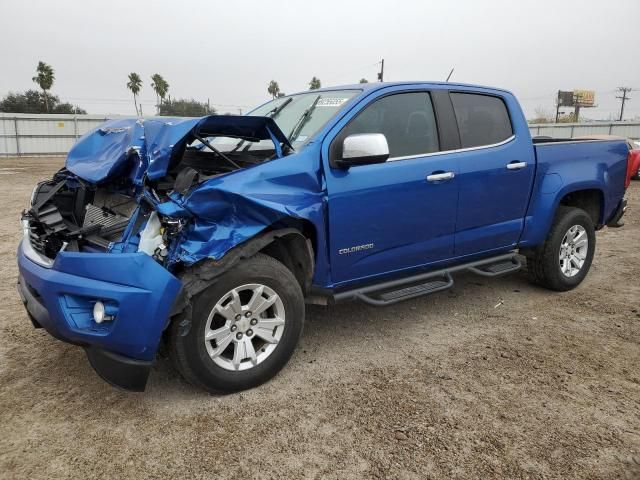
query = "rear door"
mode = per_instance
[
  {"x": 388, "y": 217},
  {"x": 496, "y": 171}
]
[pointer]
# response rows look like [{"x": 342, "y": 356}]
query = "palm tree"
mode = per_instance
[
  {"x": 44, "y": 78},
  {"x": 134, "y": 84},
  {"x": 274, "y": 88},
  {"x": 314, "y": 84},
  {"x": 161, "y": 87}
]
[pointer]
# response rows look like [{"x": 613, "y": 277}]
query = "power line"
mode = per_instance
[{"x": 146, "y": 101}]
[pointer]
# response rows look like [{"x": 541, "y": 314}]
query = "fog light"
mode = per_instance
[{"x": 99, "y": 313}]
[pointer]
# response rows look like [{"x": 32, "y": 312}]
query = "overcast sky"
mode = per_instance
[{"x": 228, "y": 51}]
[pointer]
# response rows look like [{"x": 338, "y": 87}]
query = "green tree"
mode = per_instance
[
  {"x": 185, "y": 108},
  {"x": 33, "y": 101},
  {"x": 135, "y": 84},
  {"x": 44, "y": 78},
  {"x": 273, "y": 89},
  {"x": 314, "y": 84},
  {"x": 161, "y": 87},
  {"x": 364, "y": 80}
]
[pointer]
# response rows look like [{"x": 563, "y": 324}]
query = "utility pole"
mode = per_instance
[
  {"x": 381, "y": 74},
  {"x": 624, "y": 98},
  {"x": 558, "y": 107}
]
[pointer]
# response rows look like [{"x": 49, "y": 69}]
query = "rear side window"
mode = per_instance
[
  {"x": 407, "y": 121},
  {"x": 482, "y": 119}
]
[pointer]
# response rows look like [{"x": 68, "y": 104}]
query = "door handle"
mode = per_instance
[
  {"x": 515, "y": 165},
  {"x": 438, "y": 177}
]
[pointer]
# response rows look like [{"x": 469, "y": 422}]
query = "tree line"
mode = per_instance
[
  {"x": 34, "y": 101},
  {"x": 165, "y": 105},
  {"x": 314, "y": 84}
]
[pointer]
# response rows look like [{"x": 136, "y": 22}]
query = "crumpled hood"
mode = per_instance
[{"x": 113, "y": 147}]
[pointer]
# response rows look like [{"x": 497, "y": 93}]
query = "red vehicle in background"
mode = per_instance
[
  {"x": 634, "y": 159},
  {"x": 633, "y": 162}
]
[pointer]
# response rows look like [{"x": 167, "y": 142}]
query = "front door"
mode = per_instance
[{"x": 399, "y": 214}]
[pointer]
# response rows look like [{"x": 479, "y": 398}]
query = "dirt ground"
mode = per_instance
[{"x": 495, "y": 378}]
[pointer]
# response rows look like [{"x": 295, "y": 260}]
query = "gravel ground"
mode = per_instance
[{"x": 495, "y": 378}]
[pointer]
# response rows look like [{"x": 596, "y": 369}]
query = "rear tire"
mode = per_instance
[
  {"x": 562, "y": 262},
  {"x": 243, "y": 348}
]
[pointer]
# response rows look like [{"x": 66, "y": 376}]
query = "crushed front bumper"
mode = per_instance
[{"x": 59, "y": 296}]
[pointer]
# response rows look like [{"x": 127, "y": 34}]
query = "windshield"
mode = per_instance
[{"x": 298, "y": 116}]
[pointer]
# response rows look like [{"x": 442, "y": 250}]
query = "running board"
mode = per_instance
[
  {"x": 499, "y": 268},
  {"x": 388, "y": 293}
]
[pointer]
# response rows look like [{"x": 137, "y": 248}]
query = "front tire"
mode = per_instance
[
  {"x": 562, "y": 262},
  {"x": 244, "y": 327}
]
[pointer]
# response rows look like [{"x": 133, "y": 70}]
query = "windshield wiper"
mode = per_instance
[
  {"x": 271, "y": 114},
  {"x": 302, "y": 121},
  {"x": 276, "y": 111},
  {"x": 216, "y": 151}
]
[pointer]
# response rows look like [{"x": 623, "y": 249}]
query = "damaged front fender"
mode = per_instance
[
  {"x": 229, "y": 210},
  {"x": 217, "y": 212}
]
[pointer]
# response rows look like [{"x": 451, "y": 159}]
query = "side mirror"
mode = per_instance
[{"x": 363, "y": 149}]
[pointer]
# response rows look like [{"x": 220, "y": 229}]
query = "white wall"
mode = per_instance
[
  {"x": 570, "y": 130},
  {"x": 55, "y": 134},
  {"x": 26, "y": 134}
]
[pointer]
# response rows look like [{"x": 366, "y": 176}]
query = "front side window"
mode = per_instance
[
  {"x": 406, "y": 120},
  {"x": 482, "y": 119}
]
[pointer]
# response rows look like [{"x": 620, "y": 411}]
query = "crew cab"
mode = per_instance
[{"x": 211, "y": 233}]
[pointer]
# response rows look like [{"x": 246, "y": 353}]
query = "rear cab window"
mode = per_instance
[{"x": 482, "y": 119}]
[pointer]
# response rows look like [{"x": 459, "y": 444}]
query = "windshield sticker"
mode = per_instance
[{"x": 331, "y": 102}]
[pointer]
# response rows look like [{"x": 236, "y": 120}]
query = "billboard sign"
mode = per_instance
[
  {"x": 585, "y": 98},
  {"x": 565, "y": 99}
]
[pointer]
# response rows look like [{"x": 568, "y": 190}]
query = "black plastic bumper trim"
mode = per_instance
[
  {"x": 615, "y": 220},
  {"x": 118, "y": 370}
]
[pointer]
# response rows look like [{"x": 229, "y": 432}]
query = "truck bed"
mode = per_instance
[{"x": 584, "y": 164}]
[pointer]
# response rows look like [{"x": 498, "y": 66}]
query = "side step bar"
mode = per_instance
[{"x": 388, "y": 293}]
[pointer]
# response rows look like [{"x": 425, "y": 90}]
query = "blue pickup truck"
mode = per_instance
[{"x": 210, "y": 234}]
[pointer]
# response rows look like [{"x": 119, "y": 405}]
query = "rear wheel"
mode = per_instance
[
  {"x": 244, "y": 328},
  {"x": 564, "y": 259}
]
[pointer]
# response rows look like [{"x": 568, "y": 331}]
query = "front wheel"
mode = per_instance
[
  {"x": 564, "y": 259},
  {"x": 244, "y": 328}
]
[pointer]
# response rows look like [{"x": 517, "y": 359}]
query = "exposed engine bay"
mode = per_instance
[
  {"x": 76, "y": 219},
  {"x": 71, "y": 214},
  {"x": 159, "y": 186}
]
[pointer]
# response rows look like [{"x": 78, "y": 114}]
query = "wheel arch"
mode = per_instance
[
  {"x": 591, "y": 200},
  {"x": 288, "y": 244},
  {"x": 546, "y": 201}
]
